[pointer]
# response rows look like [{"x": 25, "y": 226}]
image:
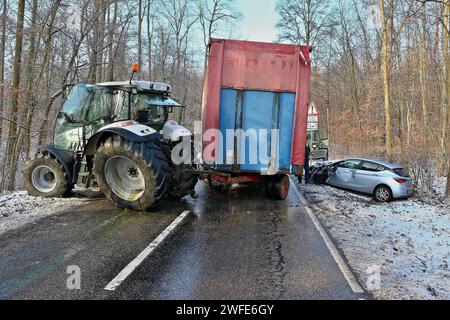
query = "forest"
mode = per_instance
[{"x": 381, "y": 69}]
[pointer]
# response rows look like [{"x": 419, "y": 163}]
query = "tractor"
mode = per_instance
[{"x": 117, "y": 136}]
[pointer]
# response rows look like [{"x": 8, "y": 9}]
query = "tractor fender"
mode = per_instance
[
  {"x": 174, "y": 132},
  {"x": 130, "y": 130},
  {"x": 66, "y": 158}
]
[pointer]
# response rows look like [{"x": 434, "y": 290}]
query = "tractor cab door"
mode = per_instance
[
  {"x": 102, "y": 110},
  {"x": 68, "y": 133}
]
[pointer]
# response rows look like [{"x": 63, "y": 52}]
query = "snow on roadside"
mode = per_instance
[
  {"x": 409, "y": 240},
  {"x": 18, "y": 209}
]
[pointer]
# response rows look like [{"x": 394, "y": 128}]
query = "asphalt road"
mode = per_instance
[{"x": 232, "y": 246}]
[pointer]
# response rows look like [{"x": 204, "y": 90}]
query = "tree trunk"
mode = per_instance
[
  {"x": 100, "y": 41},
  {"x": 15, "y": 90},
  {"x": 43, "y": 68},
  {"x": 111, "y": 32},
  {"x": 28, "y": 102},
  {"x": 445, "y": 145},
  {"x": 139, "y": 36},
  {"x": 423, "y": 69},
  {"x": 150, "y": 40},
  {"x": 2, "y": 67},
  {"x": 387, "y": 101}
]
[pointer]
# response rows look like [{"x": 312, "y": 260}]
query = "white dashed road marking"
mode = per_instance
[
  {"x": 125, "y": 273},
  {"x": 356, "y": 287}
]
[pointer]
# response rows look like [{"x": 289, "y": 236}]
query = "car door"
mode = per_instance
[
  {"x": 345, "y": 174},
  {"x": 368, "y": 176}
]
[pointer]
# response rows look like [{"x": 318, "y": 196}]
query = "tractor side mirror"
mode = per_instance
[{"x": 66, "y": 117}]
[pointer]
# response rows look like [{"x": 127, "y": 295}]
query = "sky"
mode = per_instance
[{"x": 260, "y": 18}]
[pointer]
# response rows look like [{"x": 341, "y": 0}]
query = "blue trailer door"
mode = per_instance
[
  {"x": 228, "y": 112},
  {"x": 257, "y": 114},
  {"x": 286, "y": 126}
]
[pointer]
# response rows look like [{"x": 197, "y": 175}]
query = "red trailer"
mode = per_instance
[{"x": 256, "y": 87}]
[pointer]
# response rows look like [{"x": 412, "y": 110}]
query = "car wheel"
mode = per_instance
[{"x": 383, "y": 194}]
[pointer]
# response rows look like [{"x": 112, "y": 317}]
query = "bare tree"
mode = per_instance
[
  {"x": 387, "y": 99},
  {"x": 304, "y": 21},
  {"x": 15, "y": 90},
  {"x": 215, "y": 16},
  {"x": 444, "y": 143}
]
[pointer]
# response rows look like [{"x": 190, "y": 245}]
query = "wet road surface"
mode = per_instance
[{"x": 233, "y": 246}]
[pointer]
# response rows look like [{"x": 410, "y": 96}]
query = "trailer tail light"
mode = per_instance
[{"x": 400, "y": 180}]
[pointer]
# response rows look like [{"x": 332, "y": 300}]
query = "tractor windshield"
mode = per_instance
[{"x": 69, "y": 127}]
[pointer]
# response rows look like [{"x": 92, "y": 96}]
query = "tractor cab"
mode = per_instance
[{"x": 89, "y": 108}]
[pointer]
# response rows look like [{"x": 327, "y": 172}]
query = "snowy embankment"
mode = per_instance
[
  {"x": 18, "y": 209},
  {"x": 408, "y": 240}
]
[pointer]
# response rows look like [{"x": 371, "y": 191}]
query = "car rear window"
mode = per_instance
[
  {"x": 371, "y": 166},
  {"x": 401, "y": 172}
]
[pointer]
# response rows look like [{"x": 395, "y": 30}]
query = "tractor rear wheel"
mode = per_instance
[
  {"x": 133, "y": 175},
  {"x": 44, "y": 176},
  {"x": 184, "y": 179}
]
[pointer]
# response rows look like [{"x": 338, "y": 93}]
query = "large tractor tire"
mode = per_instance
[
  {"x": 133, "y": 175},
  {"x": 183, "y": 182},
  {"x": 184, "y": 179},
  {"x": 44, "y": 176}
]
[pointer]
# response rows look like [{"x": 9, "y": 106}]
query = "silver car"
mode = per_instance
[{"x": 385, "y": 181}]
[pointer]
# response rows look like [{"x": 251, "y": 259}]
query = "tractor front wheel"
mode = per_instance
[
  {"x": 133, "y": 175},
  {"x": 44, "y": 176}
]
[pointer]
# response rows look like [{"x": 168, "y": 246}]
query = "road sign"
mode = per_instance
[
  {"x": 313, "y": 126},
  {"x": 313, "y": 111},
  {"x": 313, "y": 119}
]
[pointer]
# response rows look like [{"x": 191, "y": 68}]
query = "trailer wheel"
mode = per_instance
[
  {"x": 217, "y": 186},
  {"x": 278, "y": 187},
  {"x": 44, "y": 176},
  {"x": 133, "y": 175}
]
